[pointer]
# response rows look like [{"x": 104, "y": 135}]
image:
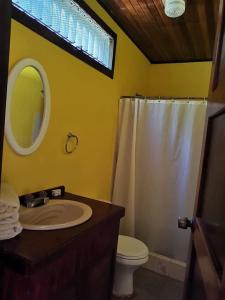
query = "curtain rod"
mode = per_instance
[{"x": 164, "y": 98}]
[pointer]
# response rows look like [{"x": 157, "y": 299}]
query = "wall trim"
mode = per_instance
[
  {"x": 175, "y": 61},
  {"x": 166, "y": 266},
  {"x": 5, "y": 29}
]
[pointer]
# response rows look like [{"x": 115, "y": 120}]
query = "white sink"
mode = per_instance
[{"x": 56, "y": 214}]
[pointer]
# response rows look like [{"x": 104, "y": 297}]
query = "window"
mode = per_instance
[{"x": 73, "y": 26}]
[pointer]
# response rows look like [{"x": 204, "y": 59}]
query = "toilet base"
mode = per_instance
[
  {"x": 123, "y": 281},
  {"x": 131, "y": 254},
  {"x": 129, "y": 297}
]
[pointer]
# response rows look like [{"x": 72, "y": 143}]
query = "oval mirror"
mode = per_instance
[{"x": 27, "y": 106}]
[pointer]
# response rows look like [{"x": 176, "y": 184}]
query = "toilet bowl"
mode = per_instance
[{"x": 131, "y": 254}]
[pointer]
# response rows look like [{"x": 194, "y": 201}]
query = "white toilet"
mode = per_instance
[{"x": 131, "y": 254}]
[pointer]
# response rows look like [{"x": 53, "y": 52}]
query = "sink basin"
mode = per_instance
[{"x": 56, "y": 214}]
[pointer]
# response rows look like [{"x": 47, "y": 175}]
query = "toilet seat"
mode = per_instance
[
  {"x": 132, "y": 262},
  {"x": 130, "y": 249}
]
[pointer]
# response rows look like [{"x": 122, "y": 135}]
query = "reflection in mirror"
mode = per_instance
[{"x": 27, "y": 107}]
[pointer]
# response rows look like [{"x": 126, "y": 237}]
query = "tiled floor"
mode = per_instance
[{"x": 152, "y": 286}]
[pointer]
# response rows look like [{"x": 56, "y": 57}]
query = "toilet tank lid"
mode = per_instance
[{"x": 130, "y": 247}]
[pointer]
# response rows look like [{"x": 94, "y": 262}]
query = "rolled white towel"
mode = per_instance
[
  {"x": 3, "y": 209},
  {"x": 8, "y": 213},
  {"x": 9, "y": 217},
  {"x": 8, "y": 197},
  {"x": 10, "y": 232},
  {"x": 6, "y": 208},
  {"x": 11, "y": 226}
]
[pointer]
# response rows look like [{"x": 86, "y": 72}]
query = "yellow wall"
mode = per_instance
[
  {"x": 84, "y": 101},
  {"x": 180, "y": 80}
]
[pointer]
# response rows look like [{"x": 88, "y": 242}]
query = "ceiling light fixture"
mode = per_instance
[{"x": 174, "y": 8}]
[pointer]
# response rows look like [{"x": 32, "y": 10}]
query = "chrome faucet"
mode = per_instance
[{"x": 31, "y": 201}]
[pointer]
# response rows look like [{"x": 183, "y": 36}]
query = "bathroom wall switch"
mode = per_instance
[{"x": 56, "y": 192}]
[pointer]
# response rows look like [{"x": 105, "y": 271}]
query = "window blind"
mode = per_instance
[{"x": 68, "y": 20}]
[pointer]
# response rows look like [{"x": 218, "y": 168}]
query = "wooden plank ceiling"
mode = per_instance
[{"x": 162, "y": 39}]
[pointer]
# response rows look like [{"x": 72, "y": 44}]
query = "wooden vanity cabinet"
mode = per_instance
[{"x": 75, "y": 263}]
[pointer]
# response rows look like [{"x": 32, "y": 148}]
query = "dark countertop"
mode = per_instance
[{"x": 32, "y": 247}]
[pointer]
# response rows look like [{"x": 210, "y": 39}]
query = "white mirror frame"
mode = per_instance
[{"x": 27, "y": 62}]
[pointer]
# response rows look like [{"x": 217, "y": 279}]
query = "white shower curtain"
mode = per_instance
[{"x": 159, "y": 146}]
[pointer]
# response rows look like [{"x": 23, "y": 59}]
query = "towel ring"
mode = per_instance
[{"x": 71, "y": 138}]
